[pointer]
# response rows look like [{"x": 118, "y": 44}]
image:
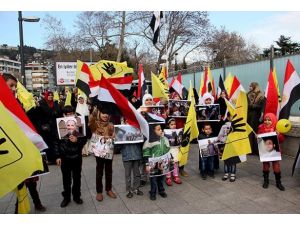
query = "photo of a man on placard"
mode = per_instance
[
  {"x": 67, "y": 126},
  {"x": 268, "y": 147}
]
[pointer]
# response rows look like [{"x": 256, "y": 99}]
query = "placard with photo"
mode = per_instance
[
  {"x": 268, "y": 146},
  {"x": 153, "y": 114},
  {"x": 174, "y": 136},
  {"x": 162, "y": 165},
  {"x": 127, "y": 134},
  {"x": 208, "y": 112},
  {"x": 208, "y": 147},
  {"x": 71, "y": 125},
  {"x": 179, "y": 108},
  {"x": 101, "y": 147}
]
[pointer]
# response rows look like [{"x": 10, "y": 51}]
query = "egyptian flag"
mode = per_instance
[
  {"x": 142, "y": 86},
  {"x": 121, "y": 83},
  {"x": 291, "y": 90},
  {"x": 108, "y": 93},
  {"x": 221, "y": 87},
  {"x": 207, "y": 83},
  {"x": 18, "y": 114},
  {"x": 155, "y": 24},
  {"x": 271, "y": 95},
  {"x": 235, "y": 90},
  {"x": 177, "y": 86},
  {"x": 185, "y": 92},
  {"x": 85, "y": 81}
]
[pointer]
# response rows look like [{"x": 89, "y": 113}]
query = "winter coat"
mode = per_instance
[
  {"x": 66, "y": 149},
  {"x": 157, "y": 148}
]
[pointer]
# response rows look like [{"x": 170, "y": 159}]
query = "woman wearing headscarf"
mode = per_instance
[
  {"x": 146, "y": 101},
  {"x": 82, "y": 109},
  {"x": 255, "y": 108},
  {"x": 49, "y": 110},
  {"x": 269, "y": 125}
]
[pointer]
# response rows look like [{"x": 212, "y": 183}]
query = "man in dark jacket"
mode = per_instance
[{"x": 69, "y": 158}]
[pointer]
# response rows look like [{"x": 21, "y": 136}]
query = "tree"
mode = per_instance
[
  {"x": 230, "y": 45},
  {"x": 180, "y": 31},
  {"x": 58, "y": 39},
  {"x": 99, "y": 28},
  {"x": 286, "y": 46}
]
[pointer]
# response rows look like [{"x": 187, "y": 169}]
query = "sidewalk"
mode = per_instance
[{"x": 194, "y": 195}]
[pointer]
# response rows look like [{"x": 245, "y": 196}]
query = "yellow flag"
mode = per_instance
[
  {"x": 191, "y": 93},
  {"x": 237, "y": 143},
  {"x": 23, "y": 200},
  {"x": 19, "y": 157},
  {"x": 113, "y": 69},
  {"x": 56, "y": 96},
  {"x": 163, "y": 72},
  {"x": 190, "y": 132},
  {"x": 68, "y": 98},
  {"x": 276, "y": 84},
  {"x": 95, "y": 72},
  {"x": 163, "y": 80},
  {"x": 158, "y": 89},
  {"x": 81, "y": 93},
  {"x": 228, "y": 82},
  {"x": 25, "y": 97},
  {"x": 78, "y": 69}
]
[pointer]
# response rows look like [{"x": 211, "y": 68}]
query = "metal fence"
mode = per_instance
[{"x": 257, "y": 71}]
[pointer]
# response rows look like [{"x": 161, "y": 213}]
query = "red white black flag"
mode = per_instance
[
  {"x": 291, "y": 90},
  {"x": 16, "y": 111},
  {"x": 86, "y": 82},
  {"x": 108, "y": 93},
  {"x": 221, "y": 87},
  {"x": 177, "y": 86},
  {"x": 142, "y": 86},
  {"x": 155, "y": 24},
  {"x": 121, "y": 83}
]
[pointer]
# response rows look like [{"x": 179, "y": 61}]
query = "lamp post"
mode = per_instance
[
  {"x": 176, "y": 66},
  {"x": 26, "y": 19}
]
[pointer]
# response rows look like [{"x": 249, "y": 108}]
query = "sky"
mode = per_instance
[{"x": 262, "y": 28}]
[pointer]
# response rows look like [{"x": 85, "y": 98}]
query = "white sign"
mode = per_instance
[{"x": 66, "y": 73}]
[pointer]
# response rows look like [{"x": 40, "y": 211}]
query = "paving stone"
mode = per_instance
[{"x": 194, "y": 195}]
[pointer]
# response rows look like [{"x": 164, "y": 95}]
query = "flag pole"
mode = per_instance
[{"x": 167, "y": 49}]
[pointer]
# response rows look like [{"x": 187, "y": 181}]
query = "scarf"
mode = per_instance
[
  {"x": 50, "y": 103},
  {"x": 255, "y": 95},
  {"x": 274, "y": 120},
  {"x": 82, "y": 109}
]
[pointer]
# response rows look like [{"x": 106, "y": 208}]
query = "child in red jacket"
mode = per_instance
[{"x": 269, "y": 125}]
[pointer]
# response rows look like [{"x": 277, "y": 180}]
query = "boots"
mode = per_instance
[
  {"x": 266, "y": 179},
  {"x": 278, "y": 181}
]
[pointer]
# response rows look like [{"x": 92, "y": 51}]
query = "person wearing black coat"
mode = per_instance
[
  {"x": 45, "y": 121},
  {"x": 69, "y": 158}
]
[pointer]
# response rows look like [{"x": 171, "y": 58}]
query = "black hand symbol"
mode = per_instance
[
  {"x": 235, "y": 127},
  {"x": 109, "y": 68},
  {"x": 2, "y": 152},
  {"x": 186, "y": 138}
]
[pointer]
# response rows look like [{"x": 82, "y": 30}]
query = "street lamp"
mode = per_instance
[
  {"x": 26, "y": 19},
  {"x": 176, "y": 66}
]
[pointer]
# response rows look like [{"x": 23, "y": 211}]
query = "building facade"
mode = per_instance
[
  {"x": 10, "y": 66},
  {"x": 39, "y": 76}
]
